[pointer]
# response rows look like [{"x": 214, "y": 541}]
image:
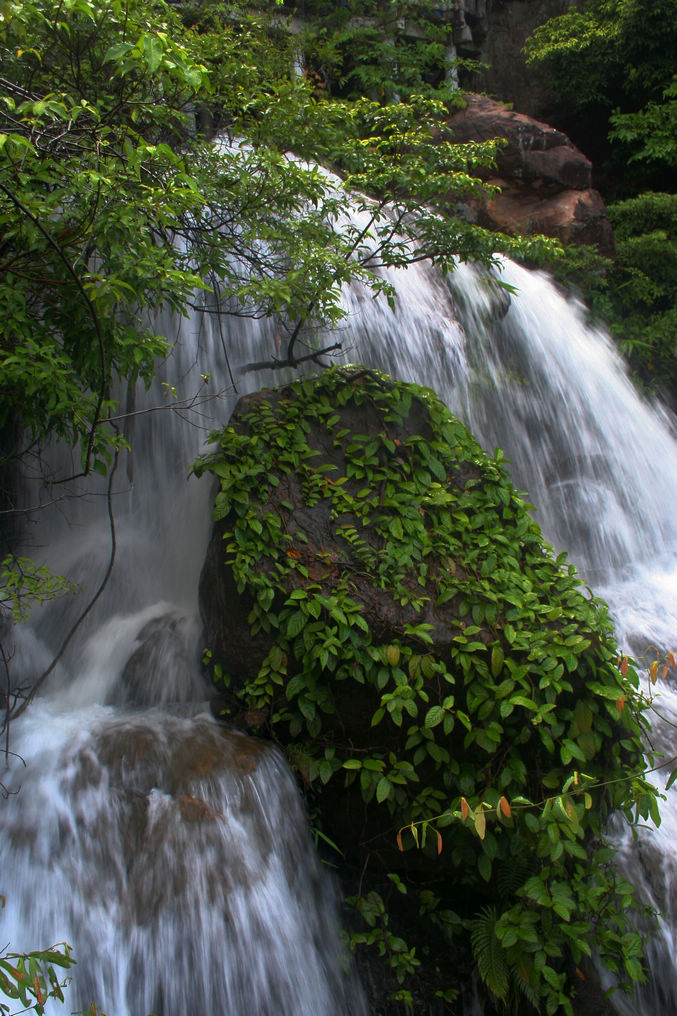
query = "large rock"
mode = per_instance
[
  {"x": 377, "y": 598},
  {"x": 544, "y": 180},
  {"x": 363, "y": 542}
]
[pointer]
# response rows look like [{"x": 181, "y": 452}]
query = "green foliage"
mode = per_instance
[
  {"x": 636, "y": 292},
  {"x": 490, "y": 957},
  {"x": 606, "y": 52},
  {"x": 112, "y": 206},
  {"x": 23, "y": 583},
  {"x": 400, "y": 960},
  {"x": 644, "y": 279},
  {"x": 30, "y": 978},
  {"x": 613, "y": 60},
  {"x": 513, "y": 744},
  {"x": 385, "y": 51},
  {"x": 651, "y": 132}
]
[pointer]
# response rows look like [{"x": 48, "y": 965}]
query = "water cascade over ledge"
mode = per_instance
[{"x": 175, "y": 858}]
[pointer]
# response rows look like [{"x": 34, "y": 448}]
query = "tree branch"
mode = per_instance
[{"x": 274, "y": 364}]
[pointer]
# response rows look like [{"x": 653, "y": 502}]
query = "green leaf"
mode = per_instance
[
  {"x": 384, "y": 789},
  {"x": 295, "y": 624},
  {"x": 497, "y": 658},
  {"x": 484, "y": 867},
  {"x": 434, "y": 716}
]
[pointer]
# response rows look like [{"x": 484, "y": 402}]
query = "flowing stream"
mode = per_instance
[{"x": 175, "y": 857}]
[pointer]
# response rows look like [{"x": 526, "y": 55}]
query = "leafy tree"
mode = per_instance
[
  {"x": 652, "y": 131},
  {"x": 603, "y": 57},
  {"x": 398, "y": 49},
  {"x": 111, "y": 205},
  {"x": 115, "y": 202},
  {"x": 608, "y": 51},
  {"x": 643, "y": 280}
]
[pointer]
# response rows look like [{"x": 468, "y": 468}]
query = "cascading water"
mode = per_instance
[
  {"x": 175, "y": 857},
  {"x": 528, "y": 375}
]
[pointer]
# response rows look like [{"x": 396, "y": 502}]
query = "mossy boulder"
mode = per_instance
[{"x": 377, "y": 596}]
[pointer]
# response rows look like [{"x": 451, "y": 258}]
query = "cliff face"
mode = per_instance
[{"x": 505, "y": 75}]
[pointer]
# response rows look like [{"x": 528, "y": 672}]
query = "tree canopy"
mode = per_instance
[{"x": 113, "y": 202}]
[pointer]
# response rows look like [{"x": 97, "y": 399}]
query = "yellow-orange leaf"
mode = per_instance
[
  {"x": 393, "y": 655},
  {"x": 671, "y": 660},
  {"x": 439, "y": 842},
  {"x": 505, "y": 807},
  {"x": 464, "y": 808},
  {"x": 664, "y": 671},
  {"x": 624, "y": 666},
  {"x": 399, "y": 841},
  {"x": 653, "y": 671}
]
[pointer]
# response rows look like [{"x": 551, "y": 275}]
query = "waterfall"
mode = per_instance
[
  {"x": 175, "y": 857},
  {"x": 527, "y": 374}
]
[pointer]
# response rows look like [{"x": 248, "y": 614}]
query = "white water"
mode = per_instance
[{"x": 189, "y": 887}]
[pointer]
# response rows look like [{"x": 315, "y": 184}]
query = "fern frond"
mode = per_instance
[
  {"x": 488, "y": 953},
  {"x": 511, "y": 876},
  {"x": 524, "y": 988}
]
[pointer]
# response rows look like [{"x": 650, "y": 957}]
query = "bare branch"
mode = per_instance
[{"x": 274, "y": 364}]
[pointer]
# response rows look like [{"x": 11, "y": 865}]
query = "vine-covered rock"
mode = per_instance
[{"x": 378, "y": 598}]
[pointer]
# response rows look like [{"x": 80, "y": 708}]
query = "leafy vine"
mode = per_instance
[{"x": 437, "y": 661}]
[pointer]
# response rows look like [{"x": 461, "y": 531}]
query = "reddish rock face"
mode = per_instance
[
  {"x": 573, "y": 216},
  {"x": 545, "y": 180}
]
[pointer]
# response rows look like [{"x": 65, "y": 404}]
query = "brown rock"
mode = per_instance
[
  {"x": 534, "y": 150},
  {"x": 573, "y": 216},
  {"x": 545, "y": 180}
]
